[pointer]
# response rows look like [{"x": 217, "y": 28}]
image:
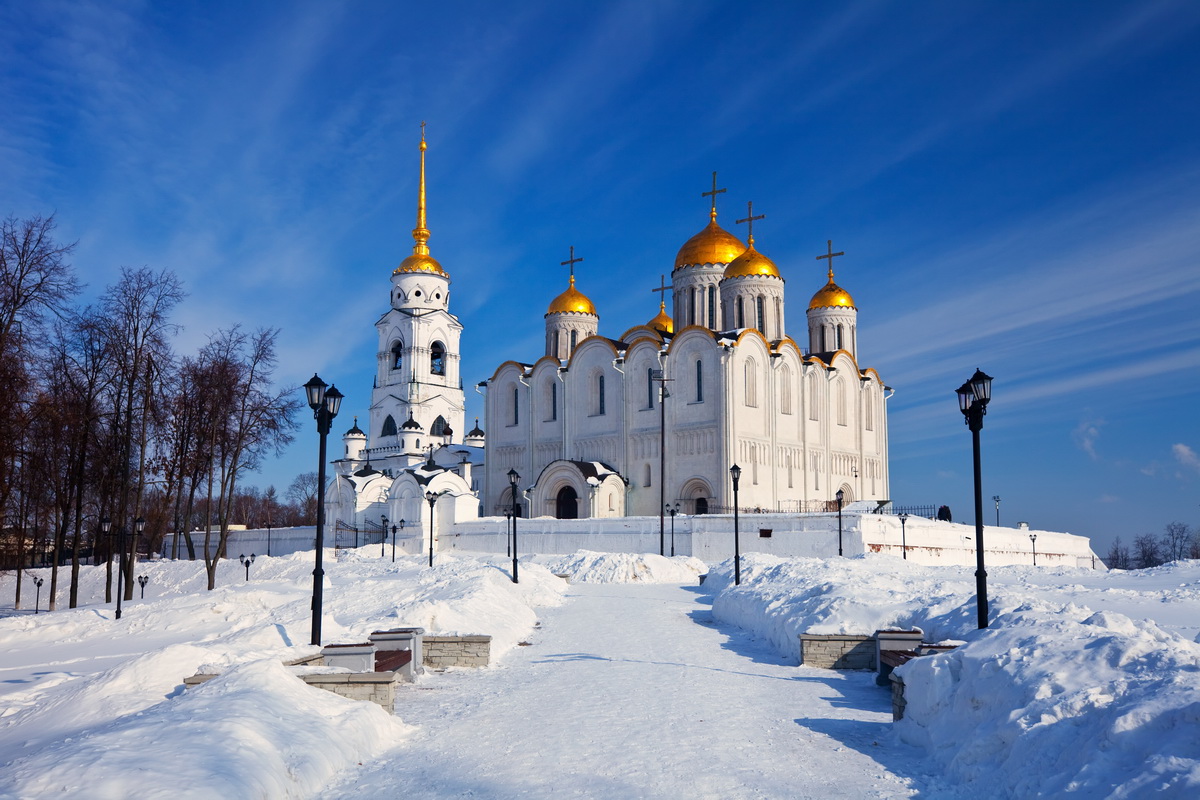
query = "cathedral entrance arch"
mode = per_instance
[
  {"x": 696, "y": 493},
  {"x": 566, "y": 505}
]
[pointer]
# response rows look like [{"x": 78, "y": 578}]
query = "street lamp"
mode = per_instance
[
  {"x": 672, "y": 510},
  {"x": 246, "y": 562},
  {"x": 394, "y": 541},
  {"x": 513, "y": 479},
  {"x": 841, "y": 495},
  {"x": 508, "y": 533},
  {"x": 383, "y": 535},
  {"x": 903, "y": 537},
  {"x": 142, "y": 581},
  {"x": 325, "y": 405},
  {"x": 106, "y": 532},
  {"x": 431, "y": 498},
  {"x": 735, "y": 472},
  {"x": 657, "y": 375},
  {"x": 997, "y": 499},
  {"x": 37, "y": 601},
  {"x": 973, "y": 399},
  {"x": 1033, "y": 541}
]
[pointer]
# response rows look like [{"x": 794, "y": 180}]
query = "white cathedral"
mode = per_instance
[{"x": 720, "y": 380}]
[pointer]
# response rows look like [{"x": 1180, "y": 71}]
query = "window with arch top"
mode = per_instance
[
  {"x": 397, "y": 355},
  {"x": 389, "y": 426},
  {"x": 437, "y": 359}
]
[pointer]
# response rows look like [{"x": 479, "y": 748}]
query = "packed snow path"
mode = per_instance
[{"x": 631, "y": 690}]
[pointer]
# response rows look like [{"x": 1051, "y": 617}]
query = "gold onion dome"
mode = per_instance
[
  {"x": 663, "y": 321},
  {"x": 831, "y": 295},
  {"x": 572, "y": 301},
  {"x": 713, "y": 245},
  {"x": 751, "y": 263},
  {"x": 420, "y": 260}
]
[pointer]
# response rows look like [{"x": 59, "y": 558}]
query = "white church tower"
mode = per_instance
[
  {"x": 832, "y": 317},
  {"x": 418, "y": 396}
]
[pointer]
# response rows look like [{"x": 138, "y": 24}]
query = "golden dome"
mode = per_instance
[
  {"x": 663, "y": 321},
  {"x": 572, "y": 301},
  {"x": 751, "y": 263},
  {"x": 420, "y": 262},
  {"x": 713, "y": 245},
  {"x": 831, "y": 295}
]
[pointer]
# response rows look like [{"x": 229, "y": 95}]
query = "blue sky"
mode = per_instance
[{"x": 1016, "y": 187}]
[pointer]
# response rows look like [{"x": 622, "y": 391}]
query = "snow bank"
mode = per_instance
[
  {"x": 254, "y": 732},
  {"x": 586, "y": 566},
  {"x": 1054, "y": 697},
  {"x": 1045, "y": 704}
]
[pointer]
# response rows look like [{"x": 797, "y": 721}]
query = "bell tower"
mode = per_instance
[{"x": 417, "y": 376}]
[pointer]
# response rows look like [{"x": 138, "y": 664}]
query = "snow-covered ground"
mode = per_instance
[{"x": 644, "y": 685}]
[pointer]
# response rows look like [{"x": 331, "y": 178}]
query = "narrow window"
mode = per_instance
[
  {"x": 397, "y": 355},
  {"x": 556, "y": 351},
  {"x": 389, "y": 426},
  {"x": 646, "y": 475},
  {"x": 785, "y": 390},
  {"x": 741, "y": 314},
  {"x": 515, "y": 406},
  {"x": 778, "y": 318},
  {"x": 699, "y": 381},
  {"x": 824, "y": 349},
  {"x": 839, "y": 338},
  {"x": 553, "y": 401},
  {"x": 762, "y": 323},
  {"x": 437, "y": 359},
  {"x": 574, "y": 339},
  {"x": 649, "y": 388},
  {"x": 869, "y": 410},
  {"x": 691, "y": 315},
  {"x": 841, "y": 403},
  {"x": 600, "y": 394},
  {"x": 712, "y": 307},
  {"x": 751, "y": 378},
  {"x": 812, "y": 398},
  {"x": 439, "y": 427}
]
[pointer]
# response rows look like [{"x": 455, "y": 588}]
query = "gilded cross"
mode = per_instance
[
  {"x": 572, "y": 261},
  {"x": 830, "y": 255},
  {"x": 713, "y": 194},
  {"x": 750, "y": 220},
  {"x": 662, "y": 287}
]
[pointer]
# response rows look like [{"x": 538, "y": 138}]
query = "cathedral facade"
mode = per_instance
[{"x": 719, "y": 382}]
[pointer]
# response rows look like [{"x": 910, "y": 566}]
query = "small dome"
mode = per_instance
[
  {"x": 447, "y": 431},
  {"x": 420, "y": 262},
  {"x": 831, "y": 295},
  {"x": 713, "y": 245},
  {"x": 663, "y": 321},
  {"x": 572, "y": 301},
  {"x": 751, "y": 263},
  {"x": 356, "y": 431},
  {"x": 476, "y": 431},
  {"x": 411, "y": 424}
]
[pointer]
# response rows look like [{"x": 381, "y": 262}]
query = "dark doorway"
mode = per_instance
[
  {"x": 567, "y": 503},
  {"x": 701, "y": 505}
]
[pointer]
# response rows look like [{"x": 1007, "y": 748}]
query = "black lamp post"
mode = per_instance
[
  {"x": 431, "y": 498},
  {"x": 657, "y": 375},
  {"x": 37, "y": 601},
  {"x": 1033, "y": 541},
  {"x": 508, "y": 533},
  {"x": 106, "y": 533},
  {"x": 142, "y": 581},
  {"x": 903, "y": 537},
  {"x": 325, "y": 406},
  {"x": 973, "y": 399},
  {"x": 735, "y": 472},
  {"x": 997, "y": 499},
  {"x": 513, "y": 479},
  {"x": 394, "y": 541},
  {"x": 841, "y": 495},
  {"x": 246, "y": 562},
  {"x": 268, "y": 537},
  {"x": 383, "y": 536},
  {"x": 672, "y": 510}
]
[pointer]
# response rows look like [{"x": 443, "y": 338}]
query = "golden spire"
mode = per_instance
[
  {"x": 751, "y": 262},
  {"x": 831, "y": 295},
  {"x": 421, "y": 233},
  {"x": 420, "y": 260},
  {"x": 572, "y": 300},
  {"x": 713, "y": 245}
]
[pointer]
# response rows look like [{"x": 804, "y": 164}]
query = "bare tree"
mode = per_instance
[
  {"x": 1176, "y": 541},
  {"x": 1118, "y": 555},
  {"x": 303, "y": 493},
  {"x": 35, "y": 277},
  {"x": 1147, "y": 551}
]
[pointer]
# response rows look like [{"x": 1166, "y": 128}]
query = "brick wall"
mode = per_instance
[
  {"x": 456, "y": 651},
  {"x": 837, "y": 651}
]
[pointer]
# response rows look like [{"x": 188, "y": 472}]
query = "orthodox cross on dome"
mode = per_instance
[
  {"x": 571, "y": 262},
  {"x": 831, "y": 256},
  {"x": 713, "y": 194},
  {"x": 662, "y": 287},
  {"x": 750, "y": 221}
]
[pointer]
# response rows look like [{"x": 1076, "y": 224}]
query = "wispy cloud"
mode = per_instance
[
  {"x": 1186, "y": 456},
  {"x": 1086, "y": 434}
]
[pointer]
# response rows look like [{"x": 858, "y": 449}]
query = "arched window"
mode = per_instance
[
  {"x": 785, "y": 390},
  {"x": 397, "y": 355},
  {"x": 556, "y": 344},
  {"x": 515, "y": 405},
  {"x": 691, "y": 315},
  {"x": 574, "y": 339},
  {"x": 840, "y": 331},
  {"x": 600, "y": 394},
  {"x": 824, "y": 348},
  {"x": 869, "y": 409},
  {"x": 812, "y": 398},
  {"x": 649, "y": 388},
  {"x": 751, "y": 377},
  {"x": 389, "y": 426},
  {"x": 647, "y": 474},
  {"x": 778, "y": 318},
  {"x": 712, "y": 306},
  {"x": 762, "y": 322},
  {"x": 841, "y": 402},
  {"x": 553, "y": 400},
  {"x": 439, "y": 427},
  {"x": 699, "y": 381},
  {"x": 741, "y": 314},
  {"x": 437, "y": 359}
]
